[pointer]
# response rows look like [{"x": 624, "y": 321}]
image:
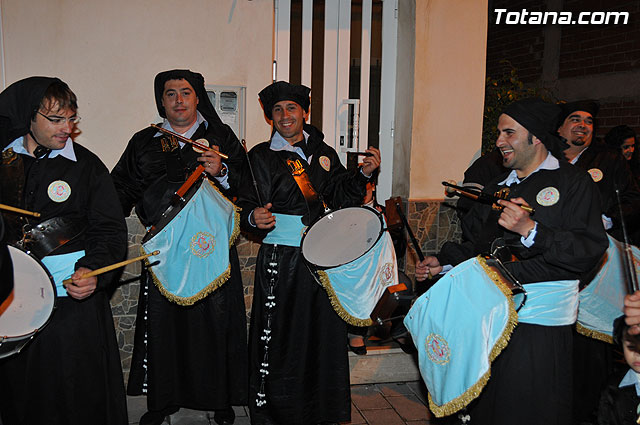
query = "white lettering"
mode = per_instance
[
  {"x": 597, "y": 18},
  {"x": 523, "y": 15},
  {"x": 554, "y": 15},
  {"x": 536, "y": 18},
  {"x": 580, "y": 18},
  {"x": 499, "y": 12},
  {"x": 617, "y": 15},
  {"x": 512, "y": 18},
  {"x": 564, "y": 18}
]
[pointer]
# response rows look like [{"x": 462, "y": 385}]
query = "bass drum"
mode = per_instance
[{"x": 30, "y": 305}]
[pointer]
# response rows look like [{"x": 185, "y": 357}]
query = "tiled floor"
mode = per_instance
[{"x": 378, "y": 404}]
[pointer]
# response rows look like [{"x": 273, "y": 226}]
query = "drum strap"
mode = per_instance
[{"x": 314, "y": 201}]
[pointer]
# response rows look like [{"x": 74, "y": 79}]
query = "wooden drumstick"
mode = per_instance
[
  {"x": 111, "y": 267},
  {"x": 18, "y": 210}
]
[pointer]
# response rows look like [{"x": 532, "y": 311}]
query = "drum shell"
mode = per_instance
[{"x": 31, "y": 304}]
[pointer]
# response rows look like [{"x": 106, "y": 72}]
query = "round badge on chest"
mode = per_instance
[
  {"x": 548, "y": 196},
  {"x": 59, "y": 191},
  {"x": 325, "y": 162},
  {"x": 596, "y": 174}
]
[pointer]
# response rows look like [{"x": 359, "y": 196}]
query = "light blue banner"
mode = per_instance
[{"x": 194, "y": 247}]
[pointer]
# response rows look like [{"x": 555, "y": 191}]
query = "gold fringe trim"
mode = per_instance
[
  {"x": 474, "y": 391},
  {"x": 217, "y": 282},
  {"x": 600, "y": 336},
  {"x": 337, "y": 306},
  {"x": 186, "y": 301}
]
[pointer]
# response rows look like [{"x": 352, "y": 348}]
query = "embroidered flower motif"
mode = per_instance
[
  {"x": 59, "y": 191},
  {"x": 386, "y": 273},
  {"x": 548, "y": 196},
  {"x": 203, "y": 244},
  {"x": 437, "y": 349}
]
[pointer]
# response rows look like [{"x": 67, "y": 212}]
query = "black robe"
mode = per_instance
[
  {"x": 193, "y": 356},
  {"x": 70, "y": 373},
  {"x": 308, "y": 380},
  {"x": 615, "y": 173},
  {"x": 531, "y": 379}
]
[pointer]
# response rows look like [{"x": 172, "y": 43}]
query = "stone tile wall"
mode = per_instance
[{"x": 432, "y": 222}]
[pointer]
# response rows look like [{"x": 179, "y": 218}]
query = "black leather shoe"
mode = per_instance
[
  {"x": 156, "y": 417},
  {"x": 224, "y": 416},
  {"x": 361, "y": 351}
]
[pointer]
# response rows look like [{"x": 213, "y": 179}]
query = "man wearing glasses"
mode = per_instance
[{"x": 70, "y": 372}]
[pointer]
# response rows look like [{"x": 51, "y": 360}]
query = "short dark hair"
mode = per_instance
[
  {"x": 59, "y": 93},
  {"x": 617, "y": 135}
]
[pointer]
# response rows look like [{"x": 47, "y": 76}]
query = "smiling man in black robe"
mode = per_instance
[
  {"x": 299, "y": 370},
  {"x": 531, "y": 379},
  {"x": 184, "y": 356},
  {"x": 70, "y": 373}
]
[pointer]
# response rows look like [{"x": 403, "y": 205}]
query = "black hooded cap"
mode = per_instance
[
  {"x": 282, "y": 90},
  {"x": 539, "y": 118},
  {"x": 590, "y": 106},
  {"x": 197, "y": 82},
  {"x": 19, "y": 102}
]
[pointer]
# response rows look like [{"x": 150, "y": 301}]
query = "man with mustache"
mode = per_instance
[
  {"x": 191, "y": 356},
  {"x": 530, "y": 379}
]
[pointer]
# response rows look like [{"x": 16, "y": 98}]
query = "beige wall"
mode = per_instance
[
  {"x": 110, "y": 51},
  {"x": 448, "y": 92}
]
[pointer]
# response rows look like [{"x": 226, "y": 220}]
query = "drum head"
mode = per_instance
[
  {"x": 341, "y": 236},
  {"x": 31, "y": 302}
]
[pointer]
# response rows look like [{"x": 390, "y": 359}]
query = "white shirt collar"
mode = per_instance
[
  {"x": 549, "y": 163},
  {"x": 278, "y": 143},
  {"x": 66, "y": 152},
  {"x": 199, "y": 120},
  {"x": 631, "y": 378},
  {"x": 574, "y": 160}
]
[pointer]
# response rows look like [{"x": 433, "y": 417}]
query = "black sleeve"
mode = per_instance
[{"x": 127, "y": 177}]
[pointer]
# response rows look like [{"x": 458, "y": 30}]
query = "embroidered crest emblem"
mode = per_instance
[
  {"x": 437, "y": 349},
  {"x": 59, "y": 191},
  {"x": 596, "y": 174},
  {"x": 386, "y": 273},
  {"x": 548, "y": 196},
  {"x": 325, "y": 162},
  {"x": 203, "y": 244}
]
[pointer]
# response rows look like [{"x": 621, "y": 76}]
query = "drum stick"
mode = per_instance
[
  {"x": 253, "y": 177},
  {"x": 111, "y": 267},
  {"x": 186, "y": 140},
  {"x": 480, "y": 196},
  {"x": 18, "y": 210}
]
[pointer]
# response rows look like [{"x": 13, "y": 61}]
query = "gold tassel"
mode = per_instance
[
  {"x": 335, "y": 303},
  {"x": 593, "y": 334}
]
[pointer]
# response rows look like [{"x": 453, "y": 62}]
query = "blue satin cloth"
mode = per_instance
[
  {"x": 359, "y": 285},
  {"x": 287, "y": 231},
  {"x": 194, "y": 247},
  {"x": 601, "y": 302},
  {"x": 550, "y": 303},
  {"x": 61, "y": 267},
  {"x": 459, "y": 326}
]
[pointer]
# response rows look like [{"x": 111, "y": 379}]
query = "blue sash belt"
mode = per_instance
[
  {"x": 550, "y": 303},
  {"x": 62, "y": 267},
  {"x": 288, "y": 230}
]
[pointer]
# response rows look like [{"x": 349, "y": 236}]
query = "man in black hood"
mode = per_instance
[
  {"x": 530, "y": 380},
  {"x": 70, "y": 373},
  {"x": 299, "y": 369},
  {"x": 184, "y": 356}
]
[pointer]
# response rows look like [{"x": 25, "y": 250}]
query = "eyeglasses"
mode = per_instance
[{"x": 61, "y": 120}]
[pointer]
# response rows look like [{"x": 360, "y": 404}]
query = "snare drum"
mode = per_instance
[
  {"x": 459, "y": 326},
  {"x": 30, "y": 305},
  {"x": 355, "y": 259}
]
